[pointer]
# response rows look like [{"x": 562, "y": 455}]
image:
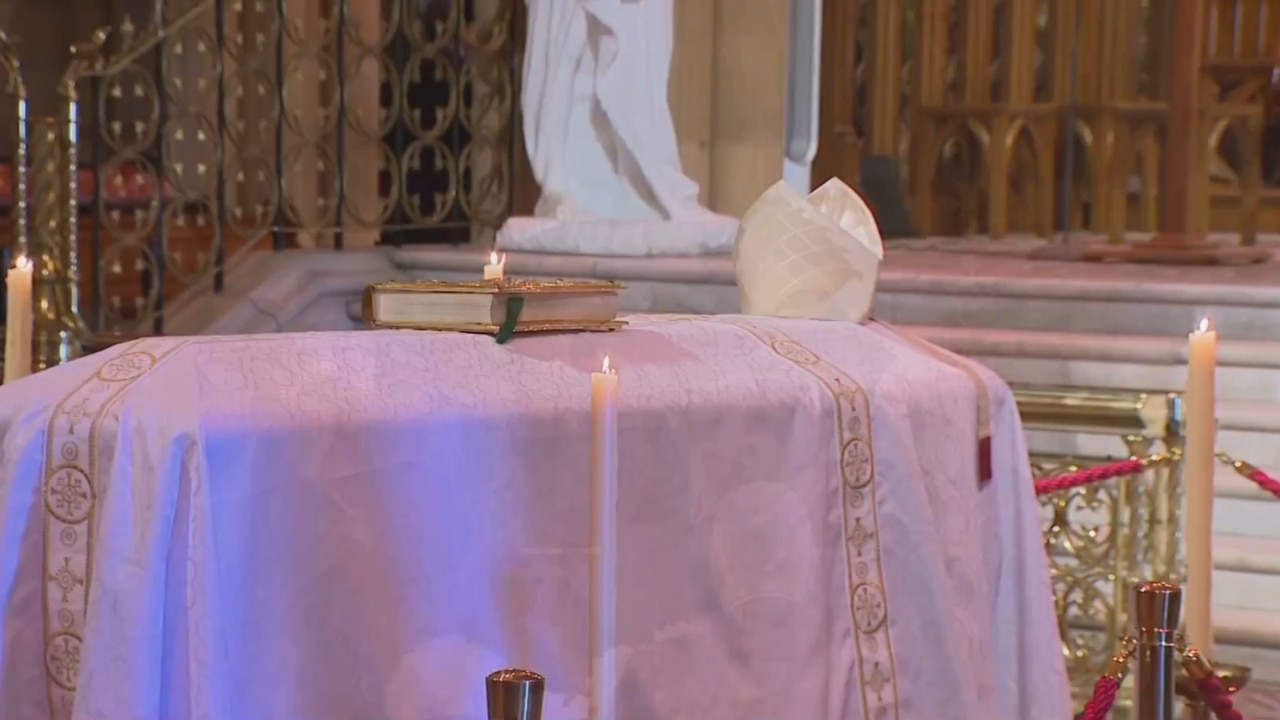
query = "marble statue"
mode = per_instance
[{"x": 600, "y": 138}]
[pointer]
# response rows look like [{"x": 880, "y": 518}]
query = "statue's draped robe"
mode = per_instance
[{"x": 597, "y": 123}]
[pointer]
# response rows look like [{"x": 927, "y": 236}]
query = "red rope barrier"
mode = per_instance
[
  {"x": 1254, "y": 473},
  {"x": 1265, "y": 481},
  {"x": 1104, "y": 696},
  {"x": 1215, "y": 695},
  {"x": 1107, "y": 687},
  {"x": 1133, "y": 466},
  {"x": 1210, "y": 688},
  {"x": 1091, "y": 475}
]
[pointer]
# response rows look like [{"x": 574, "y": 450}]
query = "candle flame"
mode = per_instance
[
  {"x": 22, "y": 262},
  {"x": 604, "y": 366},
  {"x": 1204, "y": 325},
  {"x": 493, "y": 258}
]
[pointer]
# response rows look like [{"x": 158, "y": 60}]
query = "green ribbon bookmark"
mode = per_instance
[{"x": 515, "y": 304}]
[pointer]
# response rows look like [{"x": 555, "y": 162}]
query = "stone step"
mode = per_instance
[
  {"x": 1249, "y": 637},
  {"x": 1248, "y": 379},
  {"x": 1248, "y": 370},
  {"x": 1247, "y": 573},
  {"x": 1246, "y": 614},
  {"x": 995, "y": 290},
  {"x": 1016, "y": 311},
  {"x": 1236, "y": 553}
]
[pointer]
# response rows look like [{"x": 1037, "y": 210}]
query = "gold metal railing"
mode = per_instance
[
  {"x": 1103, "y": 539},
  {"x": 217, "y": 127}
]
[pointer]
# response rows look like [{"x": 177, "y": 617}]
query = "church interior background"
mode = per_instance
[{"x": 225, "y": 167}]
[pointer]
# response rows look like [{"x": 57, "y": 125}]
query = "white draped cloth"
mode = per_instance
[{"x": 362, "y": 525}]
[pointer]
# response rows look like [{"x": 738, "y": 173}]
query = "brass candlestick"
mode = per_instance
[{"x": 514, "y": 695}]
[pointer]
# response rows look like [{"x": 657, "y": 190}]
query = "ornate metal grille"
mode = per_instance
[{"x": 220, "y": 127}]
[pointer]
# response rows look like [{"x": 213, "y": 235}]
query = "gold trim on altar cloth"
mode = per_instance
[
  {"x": 869, "y": 603},
  {"x": 71, "y": 491}
]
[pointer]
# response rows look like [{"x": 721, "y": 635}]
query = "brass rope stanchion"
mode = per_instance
[
  {"x": 514, "y": 695},
  {"x": 1165, "y": 668},
  {"x": 1156, "y": 609}
]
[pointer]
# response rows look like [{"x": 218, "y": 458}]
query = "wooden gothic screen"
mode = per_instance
[{"x": 1042, "y": 115}]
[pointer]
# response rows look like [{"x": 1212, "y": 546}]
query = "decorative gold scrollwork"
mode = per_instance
[{"x": 1101, "y": 538}]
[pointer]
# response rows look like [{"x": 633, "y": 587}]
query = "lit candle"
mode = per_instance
[
  {"x": 1200, "y": 430},
  {"x": 494, "y": 270},
  {"x": 604, "y": 541},
  {"x": 18, "y": 321}
]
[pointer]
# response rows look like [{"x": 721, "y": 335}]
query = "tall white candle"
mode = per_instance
[
  {"x": 1200, "y": 420},
  {"x": 494, "y": 270},
  {"x": 604, "y": 541},
  {"x": 18, "y": 320}
]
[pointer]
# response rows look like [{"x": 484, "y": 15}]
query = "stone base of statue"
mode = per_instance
[{"x": 707, "y": 234}]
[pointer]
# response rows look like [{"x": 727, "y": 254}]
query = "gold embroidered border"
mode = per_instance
[
  {"x": 661, "y": 318},
  {"x": 70, "y": 491},
  {"x": 868, "y": 598}
]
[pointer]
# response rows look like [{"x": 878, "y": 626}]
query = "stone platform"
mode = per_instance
[
  {"x": 1035, "y": 322},
  {"x": 1260, "y": 701}
]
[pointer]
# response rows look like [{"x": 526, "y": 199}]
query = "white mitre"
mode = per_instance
[{"x": 815, "y": 257}]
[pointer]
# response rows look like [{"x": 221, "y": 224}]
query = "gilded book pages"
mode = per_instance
[{"x": 815, "y": 257}]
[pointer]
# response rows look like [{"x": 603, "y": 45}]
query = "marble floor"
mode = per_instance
[{"x": 1260, "y": 702}]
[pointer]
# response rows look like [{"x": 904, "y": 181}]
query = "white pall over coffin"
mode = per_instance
[{"x": 364, "y": 525}]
